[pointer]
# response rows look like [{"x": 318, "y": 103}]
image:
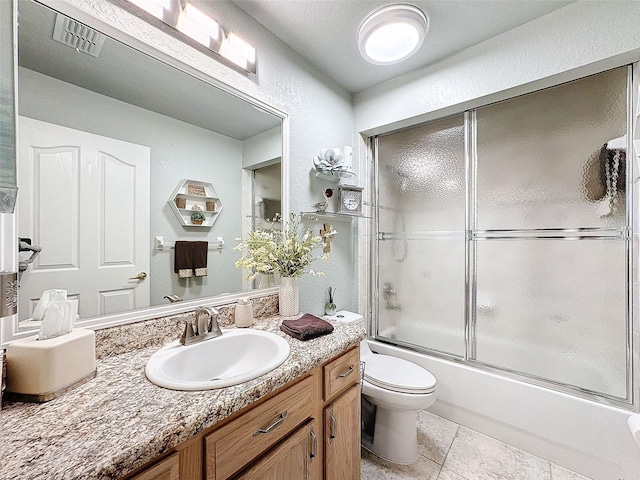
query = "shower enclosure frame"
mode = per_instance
[{"x": 629, "y": 234}]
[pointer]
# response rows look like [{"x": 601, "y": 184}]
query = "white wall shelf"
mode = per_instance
[
  {"x": 194, "y": 195},
  {"x": 333, "y": 175}
]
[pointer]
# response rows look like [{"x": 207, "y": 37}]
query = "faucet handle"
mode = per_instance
[
  {"x": 188, "y": 334},
  {"x": 214, "y": 327}
]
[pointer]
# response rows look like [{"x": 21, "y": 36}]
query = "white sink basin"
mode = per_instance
[{"x": 237, "y": 356}]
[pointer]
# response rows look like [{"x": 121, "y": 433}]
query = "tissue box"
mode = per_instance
[{"x": 41, "y": 370}]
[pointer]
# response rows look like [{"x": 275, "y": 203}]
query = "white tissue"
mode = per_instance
[
  {"x": 59, "y": 319},
  {"x": 46, "y": 299}
]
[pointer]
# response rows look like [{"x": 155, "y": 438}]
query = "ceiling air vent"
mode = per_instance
[{"x": 77, "y": 35}]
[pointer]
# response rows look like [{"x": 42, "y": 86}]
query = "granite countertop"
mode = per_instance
[{"x": 119, "y": 421}]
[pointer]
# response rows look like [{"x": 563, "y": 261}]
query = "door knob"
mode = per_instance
[{"x": 141, "y": 276}]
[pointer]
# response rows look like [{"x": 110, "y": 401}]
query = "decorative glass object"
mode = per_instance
[
  {"x": 289, "y": 296},
  {"x": 267, "y": 280},
  {"x": 330, "y": 307}
]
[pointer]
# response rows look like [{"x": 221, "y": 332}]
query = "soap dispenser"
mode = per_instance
[{"x": 244, "y": 313}]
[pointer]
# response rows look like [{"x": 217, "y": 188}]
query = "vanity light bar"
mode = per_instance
[
  {"x": 201, "y": 28},
  {"x": 238, "y": 51},
  {"x": 157, "y": 8}
]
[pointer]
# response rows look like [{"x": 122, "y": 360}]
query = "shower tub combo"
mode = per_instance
[{"x": 503, "y": 263}]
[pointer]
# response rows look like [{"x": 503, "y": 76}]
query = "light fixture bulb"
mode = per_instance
[
  {"x": 198, "y": 25},
  {"x": 156, "y": 8},
  {"x": 392, "y": 34},
  {"x": 239, "y": 51}
]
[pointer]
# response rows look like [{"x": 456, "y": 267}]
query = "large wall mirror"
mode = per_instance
[{"x": 105, "y": 138}]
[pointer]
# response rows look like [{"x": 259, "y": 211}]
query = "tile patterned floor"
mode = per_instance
[{"x": 448, "y": 451}]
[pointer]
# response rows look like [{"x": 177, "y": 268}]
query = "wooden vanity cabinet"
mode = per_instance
[
  {"x": 341, "y": 414},
  {"x": 291, "y": 459},
  {"x": 167, "y": 469},
  {"x": 307, "y": 430},
  {"x": 230, "y": 448},
  {"x": 342, "y": 437}
]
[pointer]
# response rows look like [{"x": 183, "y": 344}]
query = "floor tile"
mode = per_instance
[
  {"x": 560, "y": 473},
  {"x": 375, "y": 468},
  {"x": 435, "y": 435},
  {"x": 478, "y": 457},
  {"x": 446, "y": 474}
]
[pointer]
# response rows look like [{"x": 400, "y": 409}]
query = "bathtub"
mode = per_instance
[{"x": 581, "y": 435}]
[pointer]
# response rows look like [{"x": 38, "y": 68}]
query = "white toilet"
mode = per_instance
[{"x": 398, "y": 389}]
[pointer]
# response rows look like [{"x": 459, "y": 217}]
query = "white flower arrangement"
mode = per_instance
[{"x": 286, "y": 251}]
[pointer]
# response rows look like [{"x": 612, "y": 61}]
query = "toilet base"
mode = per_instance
[{"x": 395, "y": 436}]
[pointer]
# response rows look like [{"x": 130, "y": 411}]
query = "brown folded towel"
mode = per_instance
[
  {"x": 183, "y": 264},
  {"x": 200, "y": 250},
  {"x": 306, "y": 327}
]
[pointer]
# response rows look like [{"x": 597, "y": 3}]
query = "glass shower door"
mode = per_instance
[
  {"x": 504, "y": 236},
  {"x": 551, "y": 238},
  {"x": 421, "y": 236}
]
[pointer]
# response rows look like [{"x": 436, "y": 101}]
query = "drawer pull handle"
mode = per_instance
[
  {"x": 334, "y": 427},
  {"x": 346, "y": 373},
  {"x": 314, "y": 444},
  {"x": 275, "y": 424}
]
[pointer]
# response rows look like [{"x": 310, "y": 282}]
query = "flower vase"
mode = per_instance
[{"x": 288, "y": 297}]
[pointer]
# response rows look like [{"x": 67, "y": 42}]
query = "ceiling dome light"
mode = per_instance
[{"x": 391, "y": 34}]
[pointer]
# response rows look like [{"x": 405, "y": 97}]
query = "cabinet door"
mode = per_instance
[
  {"x": 167, "y": 469},
  {"x": 290, "y": 460},
  {"x": 342, "y": 437},
  {"x": 237, "y": 444}
]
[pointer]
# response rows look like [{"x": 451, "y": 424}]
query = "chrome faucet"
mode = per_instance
[
  {"x": 205, "y": 327},
  {"x": 173, "y": 298},
  {"x": 389, "y": 293}
]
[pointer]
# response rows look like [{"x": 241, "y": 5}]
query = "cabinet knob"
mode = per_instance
[{"x": 141, "y": 276}]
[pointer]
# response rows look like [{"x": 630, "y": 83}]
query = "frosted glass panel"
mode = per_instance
[
  {"x": 422, "y": 292},
  {"x": 555, "y": 309},
  {"x": 555, "y": 158},
  {"x": 422, "y": 176}
]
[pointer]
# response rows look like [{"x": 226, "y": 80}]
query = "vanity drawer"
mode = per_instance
[
  {"x": 236, "y": 444},
  {"x": 167, "y": 469},
  {"x": 341, "y": 372}
]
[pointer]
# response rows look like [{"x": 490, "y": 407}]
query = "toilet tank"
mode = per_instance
[{"x": 346, "y": 317}]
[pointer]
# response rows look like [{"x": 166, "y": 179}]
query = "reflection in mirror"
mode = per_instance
[
  {"x": 8, "y": 188},
  {"x": 106, "y": 138}
]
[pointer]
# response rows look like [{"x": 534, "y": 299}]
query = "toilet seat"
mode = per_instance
[{"x": 398, "y": 375}]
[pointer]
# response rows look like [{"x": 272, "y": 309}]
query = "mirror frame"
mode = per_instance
[{"x": 9, "y": 326}]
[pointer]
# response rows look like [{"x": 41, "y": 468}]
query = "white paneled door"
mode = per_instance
[{"x": 84, "y": 199}]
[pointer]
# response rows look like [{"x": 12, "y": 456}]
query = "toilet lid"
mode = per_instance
[{"x": 398, "y": 375}]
